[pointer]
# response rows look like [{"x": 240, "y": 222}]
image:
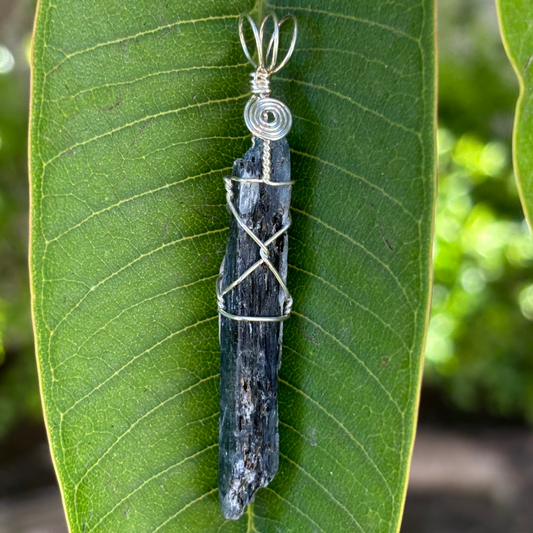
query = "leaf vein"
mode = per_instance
[
  {"x": 174, "y": 516},
  {"x": 133, "y": 306},
  {"x": 352, "y": 18},
  {"x": 148, "y": 76},
  {"x": 324, "y": 489},
  {"x": 359, "y": 245},
  {"x": 142, "y": 120},
  {"x": 135, "y": 424},
  {"x": 352, "y": 101},
  {"x": 358, "y": 359},
  {"x": 133, "y": 359},
  {"x": 160, "y": 473},
  {"x": 295, "y": 507},
  {"x": 345, "y": 429},
  {"x": 360, "y": 178},
  {"x": 129, "y": 265},
  {"x": 131, "y": 199},
  {"x": 323, "y": 449},
  {"x": 136, "y": 36},
  {"x": 355, "y": 302}
]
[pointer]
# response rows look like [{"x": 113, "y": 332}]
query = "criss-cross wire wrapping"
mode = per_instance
[{"x": 270, "y": 120}]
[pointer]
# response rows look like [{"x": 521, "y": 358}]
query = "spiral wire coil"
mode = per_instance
[{"x": 270, "y": 120}]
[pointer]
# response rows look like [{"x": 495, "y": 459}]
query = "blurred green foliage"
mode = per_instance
[
  {"x": 19, "y": 395},
  {"x": 480, "y": 336},
  {"x": 477, "y": 85}
]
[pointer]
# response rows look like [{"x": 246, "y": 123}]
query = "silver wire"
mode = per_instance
[
  {"x": 264, "y": 259},
  {"x": 270, "y": 120},
  {"x": 266, "y": 118},
  {"x": 273, "y": 45}
]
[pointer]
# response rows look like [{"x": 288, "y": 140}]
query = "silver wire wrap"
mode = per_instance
[
  {"x": 264, "y": 254},
  {"x": 270, "y": 120},
  {"x": 266, "y": 118},
  {"x": 256, "y": 116}
]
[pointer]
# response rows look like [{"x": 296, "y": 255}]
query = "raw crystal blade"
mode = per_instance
[{"x": 251, "y": 351}]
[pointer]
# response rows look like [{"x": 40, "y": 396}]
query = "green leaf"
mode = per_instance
[
  {"x": 136, "y": 117},
  {"x": 515, "y": 25}
]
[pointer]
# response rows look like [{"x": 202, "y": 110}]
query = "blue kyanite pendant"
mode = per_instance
[{"x": 253, "y": 299}]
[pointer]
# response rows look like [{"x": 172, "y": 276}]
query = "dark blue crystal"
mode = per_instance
[{"x": 251, "y": 351}]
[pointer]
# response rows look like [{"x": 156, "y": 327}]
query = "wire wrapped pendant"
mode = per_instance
[{"x": 252, "y": 296}]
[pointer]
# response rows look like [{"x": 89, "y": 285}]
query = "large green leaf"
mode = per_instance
[
  {"x": 517, "y": 35},
  {"x": 136, "y": 117}
]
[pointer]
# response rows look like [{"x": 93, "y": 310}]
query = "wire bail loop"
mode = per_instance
[
  {"x": 267, "y": 62},
  {"x": 266, "y": 118}
]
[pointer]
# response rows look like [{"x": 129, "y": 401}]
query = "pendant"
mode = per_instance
[{"x": 252, "y": 296}]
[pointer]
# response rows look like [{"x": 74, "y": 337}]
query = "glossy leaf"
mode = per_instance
[
  {"x": 136, "y": 117},
  {"x": 515, "y": 21}
]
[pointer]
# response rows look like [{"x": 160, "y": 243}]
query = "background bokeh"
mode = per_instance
[
  {"x": 478, "y": 367},
  {"x": 478, "y": 354},
  {"x": 19, "y": 394}
]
